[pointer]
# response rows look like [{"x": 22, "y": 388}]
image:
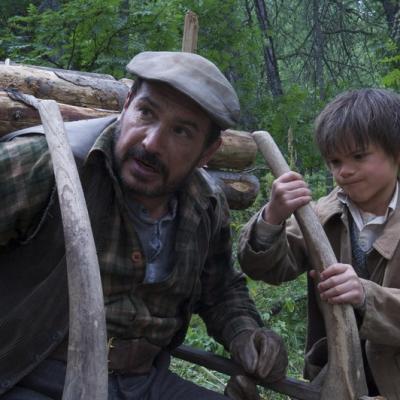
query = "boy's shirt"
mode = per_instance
[{"x": 369, "y": 226}]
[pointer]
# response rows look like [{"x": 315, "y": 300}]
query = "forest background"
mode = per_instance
[{"x": 286, "y": 58}]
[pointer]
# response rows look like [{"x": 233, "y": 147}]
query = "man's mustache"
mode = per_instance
[{"x": 147, "y": 158}]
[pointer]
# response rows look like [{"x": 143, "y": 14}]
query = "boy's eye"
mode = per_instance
[
  {"x": 334, "y": 162},
  {"x": 359, "y": 156}
]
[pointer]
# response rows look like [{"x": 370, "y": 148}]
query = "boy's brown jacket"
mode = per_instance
[{"x": 380, "y": 326}]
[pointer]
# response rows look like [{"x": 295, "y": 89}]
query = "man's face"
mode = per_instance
[{"x": 162, "y": 139}]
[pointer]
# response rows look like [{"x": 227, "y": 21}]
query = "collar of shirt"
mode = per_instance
[
  {"x": 362, "y": 219},
  {"x": 369, "y": 225},
  {"x": 140, "y": 212}
]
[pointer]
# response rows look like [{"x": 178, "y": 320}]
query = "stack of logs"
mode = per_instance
[{"x": 84, "y": 95}]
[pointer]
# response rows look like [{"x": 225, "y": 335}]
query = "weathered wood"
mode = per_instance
[
  {"x": 345, "y": 364},
  {"x": 87, "y": 373},
  {"x": 291, "y": 387},
  {"x": 53, "y": 69},
  {"x": 240, "y": 188},
  {"x": 65, "y": 87},
  {"x": 238, "y": 151},
  {"x": 15, "y": 115},
  {"x": 190, "y": 32}
]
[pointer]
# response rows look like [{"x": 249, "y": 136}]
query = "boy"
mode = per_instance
[{"x": 358, "y": 134}]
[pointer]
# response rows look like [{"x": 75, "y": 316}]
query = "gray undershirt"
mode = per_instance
[{"x": 156, "y": 237}]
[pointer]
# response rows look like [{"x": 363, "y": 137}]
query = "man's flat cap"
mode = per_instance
[{"x": 194, "y": 76}]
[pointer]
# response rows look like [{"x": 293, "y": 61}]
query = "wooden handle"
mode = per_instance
[
  {"x": 314, "y": 235},
  {"x": 345, "y": 362},
  {"x": 87, "y": 372}
]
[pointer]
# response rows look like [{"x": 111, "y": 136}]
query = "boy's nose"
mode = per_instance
[{"x": 346, "y": 170}]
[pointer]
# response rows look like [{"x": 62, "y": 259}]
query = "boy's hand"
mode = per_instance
[
  {"x": 288, "y": 193},
  {"x": 340, "y": 284}
]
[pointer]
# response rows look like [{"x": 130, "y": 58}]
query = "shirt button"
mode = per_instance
[{"x": 136, "y": 257}]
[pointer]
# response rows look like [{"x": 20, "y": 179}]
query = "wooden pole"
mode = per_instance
[
  {"x": 345, "y": 363},
  {"x": 190, "y": 32},
  {"x": 87, "y": 372}
]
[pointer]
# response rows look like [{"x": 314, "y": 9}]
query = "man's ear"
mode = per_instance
[{"x": 209, "y": 152}]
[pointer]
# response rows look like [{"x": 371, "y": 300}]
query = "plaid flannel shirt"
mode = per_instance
[{"x": 203, "y": 279}]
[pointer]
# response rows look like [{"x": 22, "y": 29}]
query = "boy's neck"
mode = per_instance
[{"x": 381, "y": 210}]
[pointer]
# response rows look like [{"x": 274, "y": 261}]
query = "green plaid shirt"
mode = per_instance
[{"x": 203, "y": 279}]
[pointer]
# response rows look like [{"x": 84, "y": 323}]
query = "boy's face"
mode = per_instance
[{"x": 367, "y": 176}]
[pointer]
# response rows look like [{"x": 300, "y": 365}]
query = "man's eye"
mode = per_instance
[
  {"x": 145, "y": 112},
  {"x": 182, "y": 131},
  {"x": 334, "y": 162}
]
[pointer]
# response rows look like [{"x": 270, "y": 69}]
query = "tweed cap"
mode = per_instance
[{"x": 194, "y": 76}]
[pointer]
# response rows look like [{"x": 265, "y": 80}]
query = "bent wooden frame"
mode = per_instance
[
  {"x": 345, "y": 372},
  {"x": 87, "y": 373}
]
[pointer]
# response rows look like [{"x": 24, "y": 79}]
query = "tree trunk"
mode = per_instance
[
  {"x": 392, "y": 8},
  {"x": 65, "y": 87},
  {"x": 270, "y": 60},
  {"x": 318, "y": 50}
]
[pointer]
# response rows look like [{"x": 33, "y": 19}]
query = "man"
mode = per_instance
[{"x": 162, "y": 234}]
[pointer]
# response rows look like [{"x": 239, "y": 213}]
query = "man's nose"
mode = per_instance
[{"x": 153, "y": 140}]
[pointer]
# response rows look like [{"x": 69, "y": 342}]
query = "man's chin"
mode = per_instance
[{"x": 136, "y": 187}]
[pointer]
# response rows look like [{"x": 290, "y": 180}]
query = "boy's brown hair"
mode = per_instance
[{"x": 356, "y": 118}]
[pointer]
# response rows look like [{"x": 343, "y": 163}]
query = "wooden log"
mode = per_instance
[
  {"x": 190, "y": 32},
  {"x": 238, "y": 151},
  {"x": 52, "y": 69},
  {"x": 291, "y": 387},
  {"x": 240, "y": 189},
  {"x": 15, "y": 115},
  {"x": 65, "y": 87},
  {"x": 345, "y": 363},
  {"x": 87, "y": 372}
]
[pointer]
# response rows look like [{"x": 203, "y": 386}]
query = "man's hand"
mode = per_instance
[
  {"x": 340, "y": 284},
  {"x": 263, "y": 355},
  {"x": 288, "y": 193}
]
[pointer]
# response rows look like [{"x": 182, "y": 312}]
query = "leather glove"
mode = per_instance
[
  {"x": 240, "y": 387},
  {"x": 262, "y": 354}
]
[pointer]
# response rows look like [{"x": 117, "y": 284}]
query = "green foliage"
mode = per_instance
[
  {"x": 294, "y": 111},
  {"x": 103, "y": 35},
  {"x": 392, "y": 78}
]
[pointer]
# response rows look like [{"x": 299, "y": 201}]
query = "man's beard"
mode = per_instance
[{"x": 141, "y": 188}]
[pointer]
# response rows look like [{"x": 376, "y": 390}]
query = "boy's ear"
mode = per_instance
[{"x": 209, "y": 152}]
